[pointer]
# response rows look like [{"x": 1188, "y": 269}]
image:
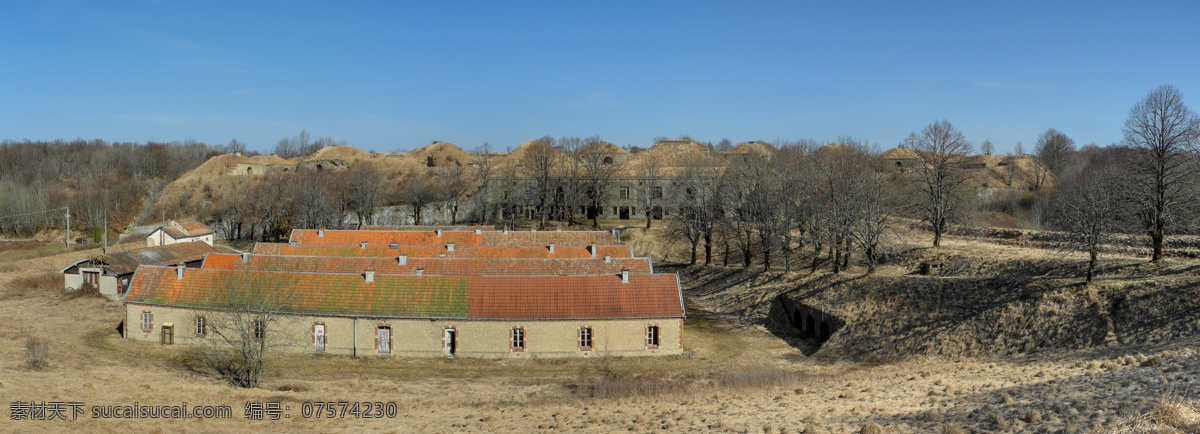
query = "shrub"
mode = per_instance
[
  {"x": 51, "y": 282},
  {"x": 85, "y": 290},
  {"x": 37, "y": 354},
  {"x": 760, "y": 377}
]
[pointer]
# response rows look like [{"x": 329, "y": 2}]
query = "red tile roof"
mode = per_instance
[
  {"x": 422, "y": 228},
  {"x": 515, "y": 252},
  {"x": 330, "y": 294},
  {"x": 186, "y": 230},
  {"x": 542, "y": 238},
  {"x": 430, "y": 266},
  {"x": 459, "y": 238},
  {"x": 468, "y": 297},
  {"x": 575, "y": 297},
  {"x": 412, "y": 238}
]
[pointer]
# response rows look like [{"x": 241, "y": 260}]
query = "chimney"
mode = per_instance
[
  {"x": 450, "y": 247},
  {"x": 421, "y": 271},
  {"x": 624, "y": 275},
  {"x": 439, "y": 232},
  {"x": 393, "y": 245},
  {"x": 321, "y": 233},
  {"x": 558, "y": 228},
  {"x": 402, "y": 260},
  {"x": 370, "y": 274},
  {"x": 291, "y": 244},
  {"x": 607, "y": 259},
  {"x": 363, "y": 245},
  {"x": 245, "y": 257},
  {"x": 179, "y": 271},
  {"x": 441, "y": 254},
  {"x": 478, "y": 230},
  {"x": 593, "y": 250},
  {"x": 506, "y": 231},
  {"x": 533, "y": 229},
  {"x": 551, "y": 248},
  {"x": 613, "y": 231}
]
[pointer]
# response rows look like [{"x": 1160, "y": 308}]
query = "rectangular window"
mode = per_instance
[
  {"x": 529, "y": 192},
  {"x": 260, "y": 329},
  {"x": 652, "y": 336},
  {"x": 201, "y": 327},
  {"x": 585, "y": 338},
  {"x": 624, "y": 191},
  {"x": 518, "y": 339},
  {"x": 657, "y": 192},
  {"x": 147, "y": 321}
]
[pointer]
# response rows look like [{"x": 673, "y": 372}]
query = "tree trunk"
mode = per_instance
[
  {"x": 816, "y": 263},
  {"x": 726, "y": 240},
  {"x": 1091, "y": 267},
  {"x": 767, "y": 260},
  {"x": 693, "y": 254},
  {"x": 1157, "y": 238},
  {"x": 937, "y": 233},
  {"x": 835, "y": 254},
  {"x": 708, "y": 246}
]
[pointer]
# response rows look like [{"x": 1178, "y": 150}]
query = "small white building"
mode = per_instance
[
  {"x": 111, "y": 273},
  {"x": 173, "y": 232}
]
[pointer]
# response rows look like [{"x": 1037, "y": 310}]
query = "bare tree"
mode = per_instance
[
  {"x": 1055, "y": 150},
  {"x": 940, "y": 177},
  {"x": 418, "y": 191},
  {"x": 725, "y": 145},
  {"x": 1165, "y": 133},
  {"x": 740, "y": 184},
  {"x": 1019, "y": 149},
  {"x": 569, "y": 193},
  {"x": 457, "y": 184},
  {"x": 248, "y": 320},
  {"x": 1037, "y": 175},
  {"x": 540, "y": 161},
  {"x": 598, "y": 172},
  {"x": 698, "y": 208},
  {"x": 312, "y": 204},
  {"x": 483, "y": 175},
  {"x": 366, "y": 192},
  {"x": 651, "y": 195},
  {"x": 1089, "y": 206},
  {"x": 986, "y": 147}
]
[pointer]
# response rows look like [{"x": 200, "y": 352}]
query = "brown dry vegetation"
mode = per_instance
[{"x": 955, "y": 353}]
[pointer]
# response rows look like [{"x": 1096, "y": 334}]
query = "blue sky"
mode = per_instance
[{"x": 387, "y": 76}]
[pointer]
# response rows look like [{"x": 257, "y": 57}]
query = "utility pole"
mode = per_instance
[
  {"x": 68, "y": 240},
  {"x": 104, "y": 247}
]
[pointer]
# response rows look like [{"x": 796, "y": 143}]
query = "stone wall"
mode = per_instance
[{"x": 426, "y": 337}]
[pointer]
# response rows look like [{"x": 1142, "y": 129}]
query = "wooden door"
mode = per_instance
[{"x": 385, "y": 340}]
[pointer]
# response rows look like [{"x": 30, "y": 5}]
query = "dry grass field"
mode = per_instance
[{"x": 971, "y": 350}]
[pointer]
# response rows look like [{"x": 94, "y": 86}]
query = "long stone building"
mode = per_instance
[
  {"x": 430, "y": 300},
  {"x": 371, "y": 314}
]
